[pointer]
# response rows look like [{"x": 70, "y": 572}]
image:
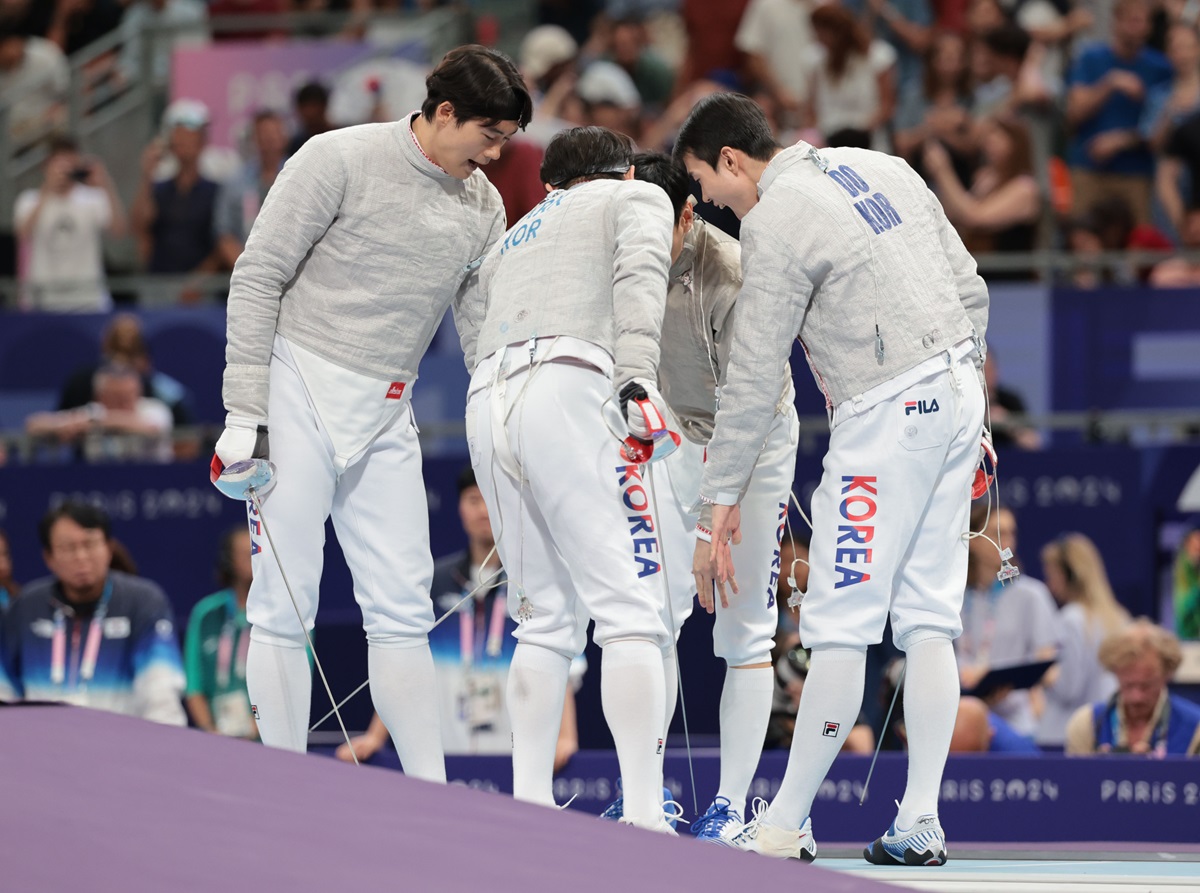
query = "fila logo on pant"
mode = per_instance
[
  {"x": 920, "y": 407},
  {"x": 858, "y": 507},
  {"x": 773, "y": 583},
  {"x": 641, "y": 522}
]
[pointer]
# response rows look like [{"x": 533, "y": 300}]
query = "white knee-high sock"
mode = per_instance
[
  {"x": 632, "y": 691},
  {"x": 671, "y": 693},
  {"x": 537, "y": 686},
  {"x": 930, "y": 707},
  {"x": 829, "y": 705},
  {"x": 745, "y": 711},
  {"x": 404, "y": 690},
  {"x": 280, "y": 684}
]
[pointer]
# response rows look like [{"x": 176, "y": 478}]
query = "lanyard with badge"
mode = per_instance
[
  {"x": 231, "y": 708},
  {"x": 480, "y": 703},
  {"x": 91, "y": 650},
  {"x": 229, "y": 630}
]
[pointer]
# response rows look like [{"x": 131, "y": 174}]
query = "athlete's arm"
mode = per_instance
[
  {"x": 298, "y": 210},
  {"x": 470, "y": 304}
]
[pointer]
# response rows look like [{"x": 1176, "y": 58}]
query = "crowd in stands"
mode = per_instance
[
  {"x": 1039, "y": 124},
  {"x": 1107, "y": 691}
]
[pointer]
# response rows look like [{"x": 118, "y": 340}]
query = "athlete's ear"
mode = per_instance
[
  {"x": 729, "y": 160},
  {"x": 688, "y": 218},
  {"x": 444, "y": 114},
  {"x": 549, "y": 188},
  {"x": 629, "y": 173}
]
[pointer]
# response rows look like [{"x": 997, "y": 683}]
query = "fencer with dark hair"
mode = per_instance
[
  {"x": 366, "y": 237},
  {"x": 848, "y": 251},
  {"x": 562, "y": 341}
]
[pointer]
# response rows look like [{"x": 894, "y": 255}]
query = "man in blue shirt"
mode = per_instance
[
  {"x": 1107, "y": 89},
  {"x": 88, "y": 635}
]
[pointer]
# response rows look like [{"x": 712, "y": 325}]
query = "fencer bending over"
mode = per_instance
[
  {"x": 706, "y": 277},
  {"x": 567, "y": 328},
  {"x": 366, "y": 237},
  {"x": 848, "y": 250}
]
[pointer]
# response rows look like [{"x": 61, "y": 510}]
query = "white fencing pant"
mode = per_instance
[
  {"x": 581, "y": 541},
  {"x": 892, "y": 507},
  {"x": 379, "y": 512},
  {"x": 744, "y": 632}
]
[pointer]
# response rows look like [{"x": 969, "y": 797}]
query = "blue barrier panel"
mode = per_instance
[{"x": 983, "y": 798}]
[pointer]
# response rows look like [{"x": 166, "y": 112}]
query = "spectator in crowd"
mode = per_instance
[
  {"x": 1142, "y": 717},
  {"x": 34, "y": 79},
  {"x": 1177, "y": 179},
  {"x": 1179, "y": 272},
  {"x": 239, "y": 200},
  {"x": 548, "y": 63},
  {"x": 1006, "y": 407},
  {"x": 978, "y": 730},
  {"x": 938, "y": 106},
  {"x": 87, "y": 635},
  {"x": 1087, "y": 614},
  {"x": 711, "y": 27},
  {"x": 168, "y": 24},
  {"x": 1108, "y": 85},
  {"x": 906, "y": 25},
  {"x": 62, "y": 225},
  {"x": 121, "y": 424},
  {"x": 10, "y": 589},
  {"x": 610, "y": 99},
  {"x": 77, "y": 23},
  {"x": 778, "y": 40},
  {"x": 1169, "y": 103},
  {"x": 1003, "y": 623},
  {"x": 173, "y": 219},
  {"x": 123, "y": 343},
  {"x": 1001, "y": 209},
  {"x": 629, "y": 47},
  {"x": 1186, "y": 589},
  {"x": 1005, "y": 82},
  {"x": 1112, "y": 221},
  {"x": 312, "y": 114},
  {"x": 472, "y": 656},
  {"x": 215, "y": 647},
  {"x": 853, "y": 80}
]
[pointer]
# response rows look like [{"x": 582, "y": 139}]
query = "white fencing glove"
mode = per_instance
[{"x": 241, "y": 462}]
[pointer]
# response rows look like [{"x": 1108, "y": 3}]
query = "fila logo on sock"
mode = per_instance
[
  {"x": 395, "y": 390},
  {"x": 920, "y": 407},
  {"x": 660, "y": 746},
  {"x": 254, "y": 710},
  {"x": 831, "y": 730}
]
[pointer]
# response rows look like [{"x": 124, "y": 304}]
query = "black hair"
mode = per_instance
[
  {"x": 60, "y": 142},
  {"x": 10, "y": 30},
  {"x": 312, "y": 93},
  {"x": 667, "y": 174},
  {"x": 725, "y": 119},
  {"x": 480, "y": 83},
  {"x": 586, "y": 153},
  {"x": 1008, "y": 41},
  {"x": 466, "y": 480},
  {"x": 86, "y": 515}
]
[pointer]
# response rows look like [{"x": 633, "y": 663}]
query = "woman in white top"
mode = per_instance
[
  {"x": 1088, "y": 612},
  {"x": 853, "y": 79}
]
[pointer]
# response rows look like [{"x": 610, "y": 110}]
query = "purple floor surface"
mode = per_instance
[{"x": 97, "y": 802}]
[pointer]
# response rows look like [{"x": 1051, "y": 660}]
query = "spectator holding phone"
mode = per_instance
[{"x": 61, "y": 225}]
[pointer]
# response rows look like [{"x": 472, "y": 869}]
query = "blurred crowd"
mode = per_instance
[{"x": 1039, "y": 123}]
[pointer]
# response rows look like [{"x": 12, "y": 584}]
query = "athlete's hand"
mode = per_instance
[
  {"x": 727, "y": 530},
  {"x": 644, "y": 408},
  {"x": 702, "y": 574}
]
